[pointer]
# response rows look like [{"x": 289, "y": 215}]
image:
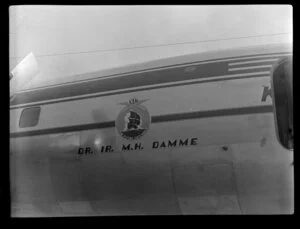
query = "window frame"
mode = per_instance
[{"x": 21, "y": 125}]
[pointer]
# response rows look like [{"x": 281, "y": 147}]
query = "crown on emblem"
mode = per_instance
[{"x": 133, "y": 101}]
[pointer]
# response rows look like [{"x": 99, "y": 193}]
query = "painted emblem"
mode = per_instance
[{"x": 133, "y": 120}]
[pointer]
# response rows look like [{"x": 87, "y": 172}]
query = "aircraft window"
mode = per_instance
[
  {"x": 283, "y": 98},
  {"x": 30, "y": 117}
]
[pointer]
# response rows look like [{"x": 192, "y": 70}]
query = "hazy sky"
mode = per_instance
[{"x": 52, "y": 30}]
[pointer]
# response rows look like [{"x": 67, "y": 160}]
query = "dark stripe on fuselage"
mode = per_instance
[
  {"x": 106, "y": 84},
  {"x": 143, "y": 89},
  {"x": 154, "y": 119},
  {"x": 128, "y": 81},
  {"x": 259, "y": 57}
]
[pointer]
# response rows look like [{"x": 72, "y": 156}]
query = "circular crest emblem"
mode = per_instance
[{"x": 133, "y": 120}]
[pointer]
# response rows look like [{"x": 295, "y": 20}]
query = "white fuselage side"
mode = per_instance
[{"x": 210, "y": 148}]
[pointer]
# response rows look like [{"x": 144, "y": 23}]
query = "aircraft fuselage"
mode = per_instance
[{"x": 187, "y": 136}]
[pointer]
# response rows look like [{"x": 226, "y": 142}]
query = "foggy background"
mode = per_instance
[{"x": 68, "y": 40}]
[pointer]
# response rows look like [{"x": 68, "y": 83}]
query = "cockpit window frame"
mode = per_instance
[{"x": 27, "y": 121}]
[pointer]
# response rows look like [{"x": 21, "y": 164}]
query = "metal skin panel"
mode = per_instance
[
  {"x": 214, "y": 177},
  {"x": 245, "y": 172}
]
